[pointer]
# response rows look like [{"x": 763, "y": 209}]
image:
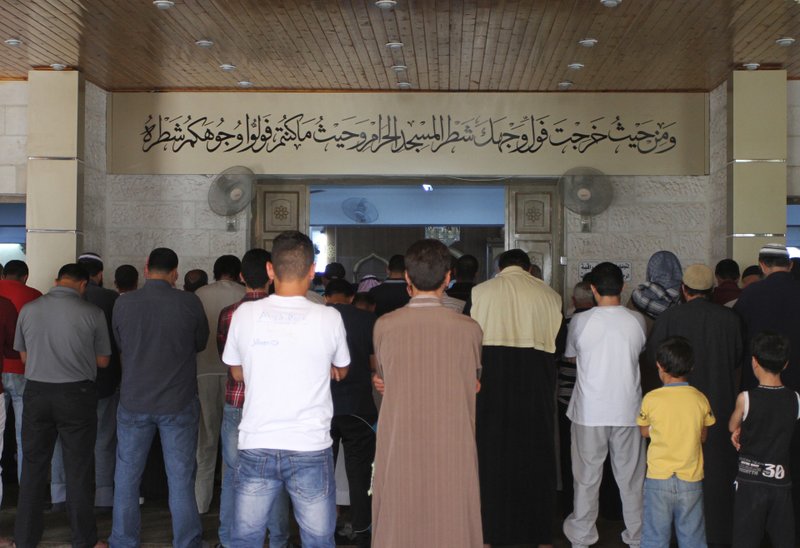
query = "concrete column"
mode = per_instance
[
  {"x": 55, "y": 173},
  {"x": 756, "y": 162}
]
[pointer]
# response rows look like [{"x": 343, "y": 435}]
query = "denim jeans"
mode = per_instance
[
  {"x": 673, "y": 501},
  {"x": 278, "y": 517},
  {"x": 178, "y": 434},
  {"x": 260, "y": 476},
  {"x": 14, "y": 385}
]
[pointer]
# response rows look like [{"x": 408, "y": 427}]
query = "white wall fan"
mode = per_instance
[
  {"x": 230, "y": 192},
  {"x": 587, "y": 192}
]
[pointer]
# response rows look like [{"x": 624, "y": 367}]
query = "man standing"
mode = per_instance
[
  {"x": 727, "y": 275},
  {"x": 772, "y": 304},
  {"x": 714, "y": 333},
  {"x": 426, "y": 477},
  {"x": 354, "y": 410},
  {"x": 8, "y": 326},
  {"x": 286, "y": 349},
  {"x": 254, "y": 274},
  {"x": 159, "y": 330},
  {"x": 466, "y": 269},
  {"x": 211, "y": 374},
  {"x": 520, "y": 317},
  {"x": 606, "y": 342},
  {"x": 13, "y": 287},
  {"x": 62, "y": 340},
  {"x": 393, "y": 292}
]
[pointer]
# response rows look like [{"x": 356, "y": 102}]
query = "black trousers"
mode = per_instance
[
  {"x": 68, "y": 410},
  {"x": 358, "y": 440},
  {"x": 759, "y": 509}
]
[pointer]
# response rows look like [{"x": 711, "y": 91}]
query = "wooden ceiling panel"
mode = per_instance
[{"x": 450, "y": 45}]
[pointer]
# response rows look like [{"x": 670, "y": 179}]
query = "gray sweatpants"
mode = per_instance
[{"x": 590, "y": 445}]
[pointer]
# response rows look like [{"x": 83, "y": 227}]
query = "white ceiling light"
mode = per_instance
[
  {"x": 245, "y": 84},
  {"x": 588, "y": 42},
  {"x": 611, "y": 3},
  {"x": 163, "y": 4},
  {"x": 575, "y": 66},
  {"x": 13, "y": 42},
  {"x": 227, "y": 67},
  {"x": 204, "y": 43},
  {"x": 404, "y": 85},
  {"x": 751, "y": 66},
  {"x": 566, "y": 84},
  {"x": 386, "y": 4},
  {"x": 394, "y": 45},
  {"x": 58, "y": 66},
  {"x": 399, "y": 68},
  {"x": 785, "y": 42}
]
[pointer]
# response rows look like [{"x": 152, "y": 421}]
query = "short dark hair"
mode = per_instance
[
  {"x": 227, "y": 265},
  {"x": 752, "y": 270},
  {"x": 727, "y": 269},
  {"x": 675, "y": 356},
  {"x": 334, "y": 271},
  {"x": 771, "y": 350},
  {"x": 772, "y": 260},
  {"x": 254, "y": 268},
  {"x": 607, "y": 279},
  {"x": 73, "y": 271},
  {"x": 162, "y": 259},
  {"x": 467, "y": 267},
  {"x": 126, "y": 277},
  {"x": 338, "y": 286},
  {"x": 292, "y": 255},
  {"x": 194, "y": 280},
  {"x": 364, "y": 297},
  {"x": 15, "y": 270},
  {"x": 514, "y": 257},
  {"x": 92, "y": 266},
  {"x": 397, "y": 263},
  {"x": 427, "y": 264}
]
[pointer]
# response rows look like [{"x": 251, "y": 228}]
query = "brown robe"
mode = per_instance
[{"x": 425, "y": 490}]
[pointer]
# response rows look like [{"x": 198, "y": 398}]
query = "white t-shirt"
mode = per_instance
[
  {"x": 606, "y": 341},
  {"x": 286, "y": 346}
]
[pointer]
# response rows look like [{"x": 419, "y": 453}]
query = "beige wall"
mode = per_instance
[
  {"x": 793, "y": 142},
  {"x": 13, "y": 137}
]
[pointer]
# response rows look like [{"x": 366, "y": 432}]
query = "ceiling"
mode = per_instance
[{"x": 449, "y": 45}]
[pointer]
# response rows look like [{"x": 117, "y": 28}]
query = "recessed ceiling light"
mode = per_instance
[
  {"x": 611, "y": 3},
  {"x": 386, "y": 4},
  {"x": 204, "y": 43},
  {"x": 227, "y": 67},
  {"x": 751, "y": 66},
  {"x": 13, "y": 42},
  {"x": 394, "y": 45},
  {"x": 163, "y": 4},
  {"x": 58, "y": 66},
  {"x": 785, "y": 41},
  {"x": 575, "y": 66},
  {"x": 399, "y": 68},
  {"x": 566, "y": 84},
  {"x": 588, "y": 42},
  {"x": 404, "y": 85},
  {"x": 245, "y": 84}
]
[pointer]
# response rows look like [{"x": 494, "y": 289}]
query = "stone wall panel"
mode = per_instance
[{"x": 167, "y": 215}]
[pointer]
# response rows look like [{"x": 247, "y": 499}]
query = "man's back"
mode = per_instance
[
  {"x": 390, "y": 295},
  {"x": 286, "y": 346},
  {"x": 20, "y": 295},
  {"x": 108, "y": 377},
  {"x": 353, "y": 394},
  {"x": 159, "y": 330},
  {"x": 215, "y": 297}
]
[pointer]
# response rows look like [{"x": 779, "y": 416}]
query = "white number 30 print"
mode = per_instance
[{"x": 773, "y": 471}]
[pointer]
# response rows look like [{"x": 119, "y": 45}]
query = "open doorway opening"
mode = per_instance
[{"x": 362, "y": 226}]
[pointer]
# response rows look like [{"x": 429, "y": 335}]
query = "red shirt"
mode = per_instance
[
  {"x": 234, "y": 390},
  {"x": 20, "y": 295}
]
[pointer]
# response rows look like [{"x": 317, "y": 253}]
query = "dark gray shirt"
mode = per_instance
[
  {"x": 159, "y": 331},
  {"x": 62, "y": 335}
]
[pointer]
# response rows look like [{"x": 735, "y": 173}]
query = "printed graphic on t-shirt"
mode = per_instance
[{"x": 762, "y": 472}]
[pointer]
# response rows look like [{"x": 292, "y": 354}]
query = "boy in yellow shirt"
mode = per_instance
[{"x": 676, "y": 418}]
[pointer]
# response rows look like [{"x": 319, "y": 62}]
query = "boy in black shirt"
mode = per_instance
[{"x": 762, "y": 425}]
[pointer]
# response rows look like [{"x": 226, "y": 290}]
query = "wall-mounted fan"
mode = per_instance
[
  {"x": 230, "y": 192},
  {"x": 587, "y": 192},
  {"x": 360, "y": 210}
]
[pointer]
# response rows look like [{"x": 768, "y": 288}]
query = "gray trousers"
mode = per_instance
[
  {"x": 590, "y": 445},
  {"x": 211, "y": 392}
]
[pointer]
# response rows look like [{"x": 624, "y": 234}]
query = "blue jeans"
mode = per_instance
[
  {"x": 14, "y": 385},
  {"x": 261, "y": 475},
  {"x": 278, "y": 517},
  {"x": 673, "y": 501},
  {"x": 135, "y": 433}
]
